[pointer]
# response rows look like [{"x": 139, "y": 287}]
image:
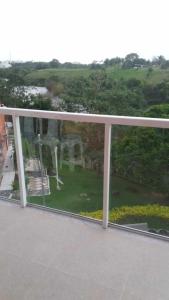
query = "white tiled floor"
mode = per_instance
[{"x": 49, "y": 256}]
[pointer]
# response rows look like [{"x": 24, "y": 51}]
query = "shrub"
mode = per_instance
[{"x": 116, "y": 215}]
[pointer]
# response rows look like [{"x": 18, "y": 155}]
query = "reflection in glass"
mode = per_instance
[
  {"x": 63, "y": 164},
  {"x": 9, "y": 185}
]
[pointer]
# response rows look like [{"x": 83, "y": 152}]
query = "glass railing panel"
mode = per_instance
[
  {"x": 9, "y": 184},
  {"x": 63, "y": 164},
  {"x": 139, "y": 196}
]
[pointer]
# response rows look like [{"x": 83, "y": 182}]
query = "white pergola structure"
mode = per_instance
[{"x": 69, "y": 144}]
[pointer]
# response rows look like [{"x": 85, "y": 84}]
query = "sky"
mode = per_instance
[{"x": 82, "y": 30}]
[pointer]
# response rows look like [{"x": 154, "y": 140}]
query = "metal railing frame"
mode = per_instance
[{"x": 107, "y": 120}]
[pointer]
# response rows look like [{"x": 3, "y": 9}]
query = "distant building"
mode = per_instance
[
  {"x": 5, "y": 65},
  {"x": 35, "y": 90}
]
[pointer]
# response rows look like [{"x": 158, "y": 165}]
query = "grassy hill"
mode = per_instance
[
  {"x": 157, "y": 75},
  {"x": 61, "y": 73}
]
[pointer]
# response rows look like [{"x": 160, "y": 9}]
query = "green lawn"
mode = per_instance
[
  {"x": 82, "y": 193},
  {"x": 130, "y": 194},
  {"x": 87, "y": 182}
]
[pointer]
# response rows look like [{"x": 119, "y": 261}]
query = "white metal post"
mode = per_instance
[
  {"x": 20, "y": 164},
  {"x": 106, "y": 178}
]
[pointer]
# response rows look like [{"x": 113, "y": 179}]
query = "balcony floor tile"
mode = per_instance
[{"x": 50, "y": 256}]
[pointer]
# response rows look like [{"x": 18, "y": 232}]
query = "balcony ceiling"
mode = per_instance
[{"x": 49, "y": 256}]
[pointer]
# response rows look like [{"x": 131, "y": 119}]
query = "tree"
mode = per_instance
[
  {"x": 113, "y": 61},
  {"x": 55, "y": 88},
  {"x": 54, "y": 63},
  {"x": 158, "y": 111},
  {"x": 165, "y": 64},
  {"x": 129, "y": 61},
  {"x": 141, "y": 154},
  {"x": 133, "y": 60},
  {"x": 158, "y": 93},
  {"x": 131, "y": 57},
  {"x": 158, "y": 60}
]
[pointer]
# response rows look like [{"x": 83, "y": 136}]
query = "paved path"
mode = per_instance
[{"x": 8, "y": 171}]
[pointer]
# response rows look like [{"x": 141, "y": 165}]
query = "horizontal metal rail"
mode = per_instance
[{"x": 87, "y": 118}]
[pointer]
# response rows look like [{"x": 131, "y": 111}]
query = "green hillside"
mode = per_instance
[{"x": 154, "y": 76}]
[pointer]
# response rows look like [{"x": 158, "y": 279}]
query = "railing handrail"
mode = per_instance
[
  {"x": 87, "y": 118},
  {"x": 107, "y": 120}
]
